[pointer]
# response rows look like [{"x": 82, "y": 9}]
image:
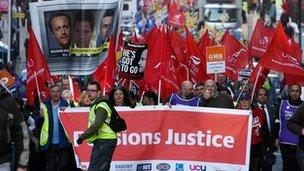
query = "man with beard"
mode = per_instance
[{"x": 185, "y": 96}]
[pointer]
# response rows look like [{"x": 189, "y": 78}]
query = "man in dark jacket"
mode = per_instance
[
  {"x": 263, "y": 131},
  {"x": 13, "y": 129},
  {"x": 53, "y": 140}
]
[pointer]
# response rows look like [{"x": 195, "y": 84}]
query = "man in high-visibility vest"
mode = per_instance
[
  {"x": 99, "y": 133},
  {"x": 53, "y": 140}
]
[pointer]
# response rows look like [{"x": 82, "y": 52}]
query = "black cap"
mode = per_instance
[{"x": 245, "y": 97}]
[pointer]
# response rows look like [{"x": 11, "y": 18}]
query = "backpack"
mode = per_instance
[
  {"x": 6, "y": 120},
  {"x": 117, "y": 123}
]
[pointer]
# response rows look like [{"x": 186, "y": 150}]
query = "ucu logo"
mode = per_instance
[{"x": 197, "y": 167}]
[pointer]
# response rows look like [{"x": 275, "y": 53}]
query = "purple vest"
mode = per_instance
[
  {"x": 176, "y": 100},
  {"x": 286, "y": 112}
]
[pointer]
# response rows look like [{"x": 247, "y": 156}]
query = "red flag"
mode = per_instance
[
  {"x": 36, "y": 67},
  {"x": 105, "y": 73},
  {"x": 196, "y": 60},
  {"x": 205, "y": 42},
  {"x": 236, "y": 56},
  {"x": 282, "y": 54},
  {"x": 290, "y": 78},
  {"x": 176, "y": 16},
  {"x": 258, "y": 76},
  {"x": 178, "y": 47},
  {"x": 260, "y": 40},
  {"x": 161, "y": 65}
]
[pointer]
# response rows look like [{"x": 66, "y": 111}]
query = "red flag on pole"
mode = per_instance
[
  {"x": 36, "y": 67},
  {"x": 105, "y": 73},
  {"x": 260, "y": 40},
  {"x": 236, "y": 56},
  {"x": 205, "y": 42},
  {"x": 196, "y": 60},
  {"x": 282, "y": 54}
]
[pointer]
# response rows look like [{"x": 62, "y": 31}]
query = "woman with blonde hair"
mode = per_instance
[{"x": 84, "y": 100}]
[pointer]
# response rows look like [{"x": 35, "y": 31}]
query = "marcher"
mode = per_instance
[
  {"x": 185, "y": 96},
  {"x": 213, "y": 98},
  {"x": 12, "y": 123},
  {"x": 288, "y": 140},
  {"x": 263, "y": 131},
  {"x": 99, "y": 133},
  {"x": 53, "y": 140}
]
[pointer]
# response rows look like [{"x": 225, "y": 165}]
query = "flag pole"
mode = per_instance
[
  {"x": 37, "y": 85},
  {"x": 255, "y": 82},
  {"x": 9, "y": 13},
  {"x": 142, "y": 97},
  {"x": 159, "y": 89},
  {"x": 239, "y": 96},
  {"x": 71, "y": 86}
]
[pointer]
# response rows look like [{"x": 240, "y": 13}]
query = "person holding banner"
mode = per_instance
[
  {"x": 185, "y": 97},
  {"x": 53, "y": 140},
  {"x": 120, "y": 97},
  {"x": 99, "y": 133},
  {"x": 213, "y": 98}
]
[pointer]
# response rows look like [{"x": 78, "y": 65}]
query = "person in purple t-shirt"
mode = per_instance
[
  {"x": 185, "y": 97},
  {"x": 288, "y": 141}
]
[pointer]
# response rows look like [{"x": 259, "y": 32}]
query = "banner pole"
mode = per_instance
[
  {"x": 71, "y": 86},
  {"x": 239, "y": 96},
  {"x": 255, "y": 82},
  {"x": 159, "y": 89},
  {"x": 37, "y": 85}
]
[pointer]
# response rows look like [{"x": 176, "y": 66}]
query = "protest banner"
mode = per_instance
[
  {"x": 74, "y": 35},
  {"x": 6, "y": 78},
  {"x": 215, "y": 59},
  {"x": 133, "y": 61},
  {"x": 163, "y": 138}
]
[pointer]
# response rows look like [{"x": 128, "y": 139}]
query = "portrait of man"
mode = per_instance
[
  {"x": 60, "y": 27},
  {"x": 105, "y": 27},
  {"x": 142, "y": 62},
  {"x": 84, "y": 30}
]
